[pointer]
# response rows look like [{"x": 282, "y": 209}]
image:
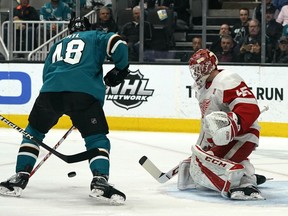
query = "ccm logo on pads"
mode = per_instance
[{"x": 215, "y": 161}]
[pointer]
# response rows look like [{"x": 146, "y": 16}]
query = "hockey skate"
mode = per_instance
[
  {"x": 246, "y": 193},
  {"x": 102, "y": 190},
  {"x": 14, "y": 185}
]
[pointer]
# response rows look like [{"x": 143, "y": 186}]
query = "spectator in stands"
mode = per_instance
[
  {"x": 226, "y": 54},
  {"x": 249, "y": 48},
  {"x": 216, "y": 45},
  {"x": 258, "y": 10},
  {"x": 165, "y": 4},
  {"x": 98, "y": 4},
  {"x": 105, "y": 21},
  {"x": 55, "y": 10},
  {"x": 196, "y": 45},
  {"x": 279, "y": 3},
  {"x": 281, "y": 53},
  {"x": 182, "y": 7},
  {"x": 196, "y": 10},
  {"x": 154, "y": 4},
  {"x": 23, "y": 12},
  {"x": 130, "y": 33},
  {"x": 282, "y": 17},
  {"x": 273, "y": 32},
  {"x": 72, "y": 5},
  {"x": 240, "y": 30}
]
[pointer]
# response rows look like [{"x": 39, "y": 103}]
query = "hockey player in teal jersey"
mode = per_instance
[{"x": 73, "y": 85}]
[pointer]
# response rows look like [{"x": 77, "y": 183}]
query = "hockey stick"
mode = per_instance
[
  {"x": 49, "y": 153},
  {"x": 154, "y": 171},
  {"x": 67, "y": 158},
  {"x": 163, "y": 177}
]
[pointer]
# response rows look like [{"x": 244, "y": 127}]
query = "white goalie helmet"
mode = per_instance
[{"x": 201, "y": 64}]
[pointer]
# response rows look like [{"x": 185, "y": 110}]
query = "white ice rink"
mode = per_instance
[{"x": 51, "y": 193}]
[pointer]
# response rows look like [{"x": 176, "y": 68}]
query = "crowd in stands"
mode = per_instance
[
  {"x": 238, "y": 43},
  {"x": 243, "y": 42},
  {"x": 24, "y": 11},
  {"x": 196, "y": 45}
]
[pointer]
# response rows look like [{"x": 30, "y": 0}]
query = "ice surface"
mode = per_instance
[{"x": 51, "y": 193}]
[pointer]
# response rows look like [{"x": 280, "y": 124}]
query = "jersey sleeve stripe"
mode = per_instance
[
  {"x": 248, "y": 101},
  {"x": 113, "y": 43}
]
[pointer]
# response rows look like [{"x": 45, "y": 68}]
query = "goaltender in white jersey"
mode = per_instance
[{"x": 229, "y": 132}]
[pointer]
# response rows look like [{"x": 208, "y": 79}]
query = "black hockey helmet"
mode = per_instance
[{"x": 79, "y": 24}]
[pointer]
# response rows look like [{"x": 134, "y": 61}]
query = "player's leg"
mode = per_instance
[
  {"x": 42, "y": 117},
  {"x": 213, "y": 172},
  {"x": 247, "y": 188},
  {"x": 239, "y": 152},
  {"x": 93, "y": 127}
]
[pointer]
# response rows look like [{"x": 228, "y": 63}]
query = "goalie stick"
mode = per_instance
[
  {"x": 155, "y": 172},
  {"x": 67, "y": 158},
  {"x": 49, "y": 153},
  {"x": 163, "y": 177}
]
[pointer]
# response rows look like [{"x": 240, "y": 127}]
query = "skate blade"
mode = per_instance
[
  {"x": 6, "y": 192},
  {"x": 115, "y": 199},
  {"x": 239, "y": 195}
]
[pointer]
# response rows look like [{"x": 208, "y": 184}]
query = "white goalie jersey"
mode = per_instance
[
  {"x": 226, "y": 92},
  {"x": 229, "y": 132}
]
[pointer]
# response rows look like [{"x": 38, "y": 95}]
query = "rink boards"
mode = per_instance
[{"x": 153, "y": 98}]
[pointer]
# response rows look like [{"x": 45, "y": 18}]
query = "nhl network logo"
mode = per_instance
[{"x": 131, "y": 93}]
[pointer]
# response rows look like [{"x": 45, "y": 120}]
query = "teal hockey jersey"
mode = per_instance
[{"x": 74, "y": 64}]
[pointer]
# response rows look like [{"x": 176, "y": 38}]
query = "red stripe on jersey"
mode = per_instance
[
  {"x": 239, "y": 154},
  {"x": 247, "y": 115},
  {"x": 241, "y": 91},
  {"x": 246, "y": 112}
]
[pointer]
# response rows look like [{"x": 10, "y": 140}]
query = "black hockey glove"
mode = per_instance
[{"x": 115, "y": 76}]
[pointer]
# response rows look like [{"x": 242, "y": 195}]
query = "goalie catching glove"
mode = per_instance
[
  {"x": 115, "y": 76},
  {"x": 223, "y": 127}
]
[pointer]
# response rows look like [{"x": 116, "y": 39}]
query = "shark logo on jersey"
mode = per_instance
[{"x": 131, "y": 93}]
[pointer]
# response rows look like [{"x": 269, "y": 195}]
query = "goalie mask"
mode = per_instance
[
  {"x": 79, "y": 24},
  {"x": 201, "y": 64}
]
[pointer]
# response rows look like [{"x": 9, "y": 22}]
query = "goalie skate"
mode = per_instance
[
  {"x": 101, "y": 190},
  {"x": 247, "y": 193},
  {"x": 14, "y": 185}
]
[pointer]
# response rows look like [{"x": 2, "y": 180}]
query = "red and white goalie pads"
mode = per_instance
[
  {"x": 214, "y": 173},
  {"x": 185, "y": 180},
  {"x": 222, "y": 127}
]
